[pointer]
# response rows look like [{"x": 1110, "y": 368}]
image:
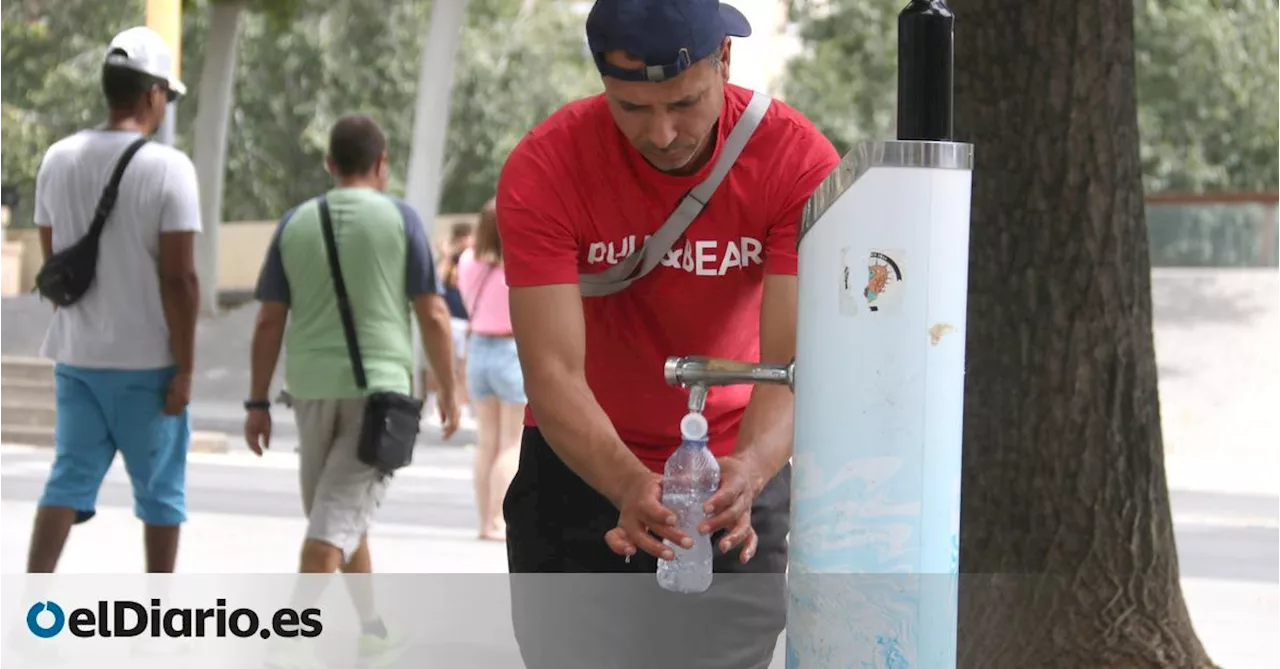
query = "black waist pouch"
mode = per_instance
[{"x": 389, "y": 430}]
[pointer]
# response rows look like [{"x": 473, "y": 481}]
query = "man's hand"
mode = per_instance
[
  {"x": 450, "y": 415},
  {"x": 179, "y": 394},
  {"x": 641, "y": 511},
  {"x": 764, "y": 436},
  {"x": 257, "y": 430},
  {"x": 730, "y": 507},
  {"x": 437, "y": 343}
]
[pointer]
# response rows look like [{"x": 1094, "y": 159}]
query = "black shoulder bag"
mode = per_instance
[
  {"x": 391, "y": 420},
  {"x": 67, "y": 275}
]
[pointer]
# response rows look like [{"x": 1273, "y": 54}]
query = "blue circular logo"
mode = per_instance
[{"x": 33, "y": 619}]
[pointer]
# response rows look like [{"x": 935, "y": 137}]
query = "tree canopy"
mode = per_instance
[
  {"x": 1206, "y": 75},
  {"x": 1207, "y": 86},
  {"x": 303, "y": 64}
]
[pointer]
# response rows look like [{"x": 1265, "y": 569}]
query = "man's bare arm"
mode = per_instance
[
  {"x": 765, "y": 438},
  {"x": 437, "y": 337},
  {"x": 548, "y": 324},
  {"x": 46, "y": 247},
  {"x": 268, "y": 335},
  {"x": 46, "y": 242},
  {"x": 180, "y": 294}
]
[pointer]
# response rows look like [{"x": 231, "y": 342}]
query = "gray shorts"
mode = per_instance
[{"x": 340, "y": 494}]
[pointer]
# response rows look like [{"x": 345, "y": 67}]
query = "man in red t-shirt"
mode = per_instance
[{"x": 578, "y": 195}]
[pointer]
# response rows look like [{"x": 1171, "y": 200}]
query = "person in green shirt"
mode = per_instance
[{"x": 390, "y": 278}]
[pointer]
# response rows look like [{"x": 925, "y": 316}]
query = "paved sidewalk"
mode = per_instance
[
  {"x": 1253, "y": 473},
  {"x": 1235, "y": 621},
  {"x": 215, "y": 543}
]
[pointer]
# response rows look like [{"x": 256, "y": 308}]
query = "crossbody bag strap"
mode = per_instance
[
  {"x": 340, "y": 287},
  {"x": 471, "y": 309},
  {"x": 107, "y": 201},
  {"x": 484, "y": 281},
  {"x": 656, "y": 247}
]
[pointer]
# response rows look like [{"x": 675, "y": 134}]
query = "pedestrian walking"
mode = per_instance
[
  {"x": 343, "y": 276},
  {"x": 460, "y": 239},
  {"x": 494, "y": 379},
  {"x": 122, "y": 212}
]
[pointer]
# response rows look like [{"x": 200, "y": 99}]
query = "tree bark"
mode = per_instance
[{"x": 1067, "y": 545}]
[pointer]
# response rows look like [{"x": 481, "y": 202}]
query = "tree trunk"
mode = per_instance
[
  {"x": 217, "y": 98},
  {"x": 1067, "y": 542}
]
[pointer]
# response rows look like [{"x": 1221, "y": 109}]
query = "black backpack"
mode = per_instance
[{"x": 67, "y": 275}]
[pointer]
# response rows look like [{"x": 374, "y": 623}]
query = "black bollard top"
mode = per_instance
[{"x": 925, "y": 65}]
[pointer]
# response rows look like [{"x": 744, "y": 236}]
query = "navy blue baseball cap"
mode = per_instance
[{"x": 668, "y": 35}]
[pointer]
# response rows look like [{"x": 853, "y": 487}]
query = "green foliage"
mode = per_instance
[
  {"x": 363, "y": 56},
  {"x": 516, "y": 67},
  {"x": 1207, "y": 84},
  {"x": 1207, "y": 88},
  {"x": 51, "y": 64},
  {"x": 1207, "y": 77},
  {"x": 845, "y": 81},
  {"x": 278, "y": 13},
  {"x": 301, "y": 65}
]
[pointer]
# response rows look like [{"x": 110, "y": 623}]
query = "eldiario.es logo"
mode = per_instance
[{"x": 125, "y": 618}]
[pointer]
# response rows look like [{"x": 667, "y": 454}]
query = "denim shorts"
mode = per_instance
[
  {"x": 102, "y": 411},
  {"x": 493, "y": 369}
]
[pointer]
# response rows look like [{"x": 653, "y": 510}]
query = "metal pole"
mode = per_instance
[
  {"x": 431, "y": 126},
  {"x": 165, "y": 17},
  {"x": 431, "y": 115},
  {"x": 217, "y": 100}
]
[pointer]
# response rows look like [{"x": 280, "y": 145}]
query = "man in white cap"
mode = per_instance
[{"x": 124, "y": 348}]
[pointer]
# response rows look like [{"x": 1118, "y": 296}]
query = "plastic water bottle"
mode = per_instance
[{"x": 692, "y": 475}]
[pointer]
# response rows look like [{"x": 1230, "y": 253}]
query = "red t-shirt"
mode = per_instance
[{"x": 575, "y": 196}]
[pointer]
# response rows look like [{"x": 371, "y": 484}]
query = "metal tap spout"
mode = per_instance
[{"x": 698, "y": 373}]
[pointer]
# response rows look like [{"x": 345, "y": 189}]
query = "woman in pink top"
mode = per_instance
[{"x": 494, "y": 380}]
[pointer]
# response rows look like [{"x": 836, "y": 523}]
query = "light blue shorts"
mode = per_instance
[
  {"x": 493, "y": 369},
  {"x": 101, "y": 411}
]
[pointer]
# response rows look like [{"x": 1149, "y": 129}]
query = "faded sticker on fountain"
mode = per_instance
[
  {"x": 884, "y": 286},
  {"x": 849, "y": 273}
]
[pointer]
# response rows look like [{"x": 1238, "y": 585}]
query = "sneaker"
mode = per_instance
[
  {"x": 291, "y": 655},
  {"x": 380, "y": 652},
  {"x": 22, "y": 645},
  {"x": 160, "y": 647}
]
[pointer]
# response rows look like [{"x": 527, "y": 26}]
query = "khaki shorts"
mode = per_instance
[{"x": 340, "y": 494}]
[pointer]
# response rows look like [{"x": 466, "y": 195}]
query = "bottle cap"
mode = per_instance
[{"x": 693, "y": 426}]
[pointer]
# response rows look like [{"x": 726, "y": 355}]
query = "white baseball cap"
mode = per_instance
[{"x": 144, "y": 50}]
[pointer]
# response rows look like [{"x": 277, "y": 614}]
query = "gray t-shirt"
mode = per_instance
[{"x": 119, "y": 323}]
